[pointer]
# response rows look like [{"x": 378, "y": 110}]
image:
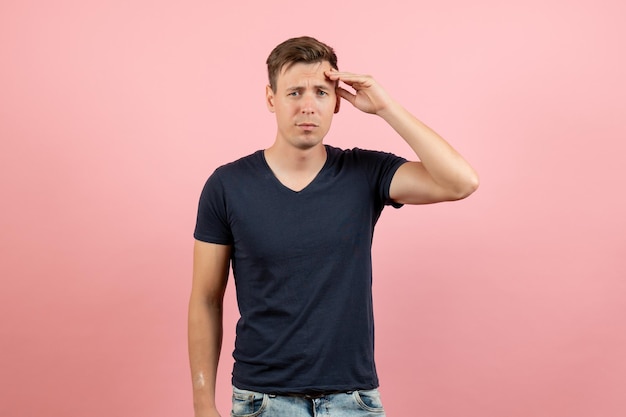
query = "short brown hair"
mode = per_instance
[{"x": 303, "y": 49}]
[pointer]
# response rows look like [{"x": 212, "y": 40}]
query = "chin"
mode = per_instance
[
  {"x": 307, "y": 144},
  {"x": 306, "y": 141}
]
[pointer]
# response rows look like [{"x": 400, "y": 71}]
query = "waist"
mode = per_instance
[{"x": 312, "y": 395}]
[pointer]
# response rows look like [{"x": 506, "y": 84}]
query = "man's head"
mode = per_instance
[
  {"x": 300, "y": 94},
  {"x": 298, "y": 50}
]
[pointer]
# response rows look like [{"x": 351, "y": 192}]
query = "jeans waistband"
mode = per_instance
[{"x": 312, "y": 395}]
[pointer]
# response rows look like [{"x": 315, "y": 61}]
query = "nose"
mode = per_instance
[{"x": 308, "y": 104}]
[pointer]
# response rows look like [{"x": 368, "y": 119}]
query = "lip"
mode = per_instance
[{"x": 307, "y": 126}]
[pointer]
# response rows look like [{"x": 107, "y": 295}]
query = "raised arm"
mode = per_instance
[
  {"x": 210, "y": 274},
  {"x": 441, "y": 174}
]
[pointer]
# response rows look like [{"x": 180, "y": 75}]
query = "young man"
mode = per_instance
[{"x": 297, "y": 221}]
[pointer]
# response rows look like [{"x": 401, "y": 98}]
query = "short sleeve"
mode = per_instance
[
  {"x": 212, "y": 221},
  {"x": 381, "y": 167}
]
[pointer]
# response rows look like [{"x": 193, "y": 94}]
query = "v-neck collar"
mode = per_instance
[{"x": 306, "y": 187}]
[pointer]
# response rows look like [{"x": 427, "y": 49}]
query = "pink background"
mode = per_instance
[{"x": 113, "y": 114}]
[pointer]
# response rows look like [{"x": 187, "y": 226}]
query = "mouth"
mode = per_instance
[{"x": 307, "y": 126}]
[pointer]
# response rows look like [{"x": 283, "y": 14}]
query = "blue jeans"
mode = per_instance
[{"x": 349, "y": 404}]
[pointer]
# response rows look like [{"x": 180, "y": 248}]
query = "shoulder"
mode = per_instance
[
  {"x": 232, "y": 173},
  {"x": 363, "y": 157},
  {"x": 247, "y": 162},
  {"x": 244, "y": 167}
]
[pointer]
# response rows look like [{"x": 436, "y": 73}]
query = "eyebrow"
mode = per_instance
[{"x": 316, "y": 86}]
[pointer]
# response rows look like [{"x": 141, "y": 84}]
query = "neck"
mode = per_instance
[
  {"x": 295, "y": 168},
  {"x": 296, "y": 160}
]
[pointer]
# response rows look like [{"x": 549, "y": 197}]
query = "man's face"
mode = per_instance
[{"x": 304, "y": 103}]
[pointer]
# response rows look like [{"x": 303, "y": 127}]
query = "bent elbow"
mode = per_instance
[{"x": 467, "y": 187}]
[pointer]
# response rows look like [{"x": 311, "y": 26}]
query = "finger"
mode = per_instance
[
  {"x": 350, "y": 78},
  {"x": 347, "y": 77},
  {"x": 334, "y": 75},
  {"x": 346, "y": 95}
]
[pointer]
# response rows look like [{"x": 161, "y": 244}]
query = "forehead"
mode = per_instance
[{"x": 302, "y": 72}]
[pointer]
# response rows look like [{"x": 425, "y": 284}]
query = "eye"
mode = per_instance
[
  {"x": 294, "y": 94},
  {"x": 322, "y": 93}
]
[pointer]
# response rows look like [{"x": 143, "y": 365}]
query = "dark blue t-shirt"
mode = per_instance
[{"x": 302, "y": 268}]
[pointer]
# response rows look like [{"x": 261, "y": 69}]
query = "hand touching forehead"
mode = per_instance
[{"x": 305, "y": 75}]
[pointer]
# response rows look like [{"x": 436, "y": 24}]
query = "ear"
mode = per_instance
[
  {"x": 337, "y": 104},
  {"x": 269, "y": 98}
]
